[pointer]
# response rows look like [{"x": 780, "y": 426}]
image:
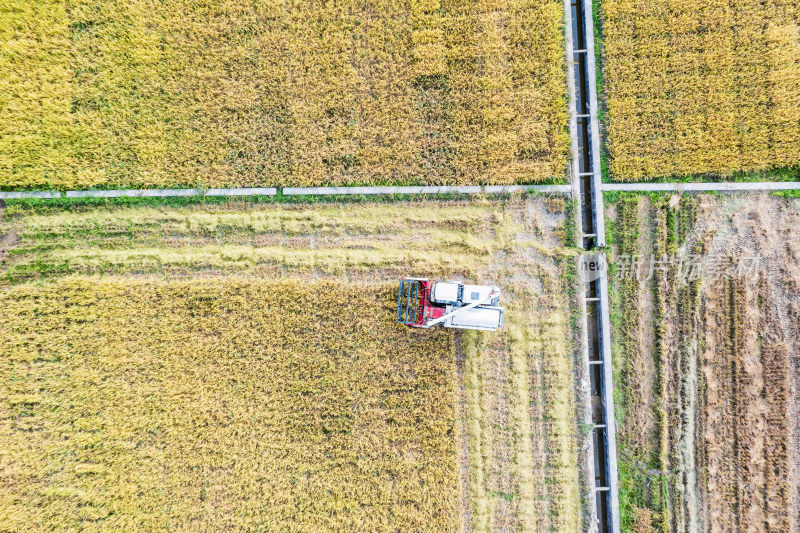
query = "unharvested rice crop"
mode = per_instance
[
  {"x": 177, "y": 304},
  {"x": 220, "y": 406},
  {"x": 709, "y": 432},
  {"x": 186, "y": 92},
  {"x": 701, "y": 87}
]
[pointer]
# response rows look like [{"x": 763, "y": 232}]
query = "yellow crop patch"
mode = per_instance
[
  {"x": 139, "y": 93},
  {"x": 701, "y": 86},
  {"x": 223, "y": 405},
  {"x": 153, "y": 372}
]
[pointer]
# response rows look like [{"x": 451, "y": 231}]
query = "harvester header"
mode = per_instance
[{"x": 426, "y": 303}]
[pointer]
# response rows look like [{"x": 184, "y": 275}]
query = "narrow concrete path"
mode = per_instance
[
  {"x": 444, "y": 189},
  {"x": 697, "y": 186},
  {"x": 411, "y": 190}
]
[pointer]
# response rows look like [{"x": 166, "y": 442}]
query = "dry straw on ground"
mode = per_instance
[
  {"x": 709, "y": 429},
  {"x": 701, "y": 86},
  {"x": 268, "y": 241},
  {"x": 123, "y": 93}
]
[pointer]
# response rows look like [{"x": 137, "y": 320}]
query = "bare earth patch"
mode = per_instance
[{"x": 725, "y": 453}]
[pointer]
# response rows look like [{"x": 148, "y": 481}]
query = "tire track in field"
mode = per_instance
[
  {"x": 718, "y": 417},
  {"x": 750, "y": 420},
  {"x": 775, "y": 363}
]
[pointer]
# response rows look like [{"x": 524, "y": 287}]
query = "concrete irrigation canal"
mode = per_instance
[{"x": 587, "y": 186}]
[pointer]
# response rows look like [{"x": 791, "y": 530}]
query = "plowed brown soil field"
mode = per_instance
[{"x": 707, "y": 361}]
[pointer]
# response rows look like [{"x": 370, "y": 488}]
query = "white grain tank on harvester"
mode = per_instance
[{"x": 425, "y": 303}]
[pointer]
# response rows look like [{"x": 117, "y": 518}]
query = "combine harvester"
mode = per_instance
[{"x": 425, "y": 303}]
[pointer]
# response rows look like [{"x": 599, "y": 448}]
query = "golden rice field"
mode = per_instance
[
  {"x": 237, "y": 366},
  {"x": 237, "y": 405},
  {"x": 190, "y": 92},
  {"x": 701, "y": 87}
]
